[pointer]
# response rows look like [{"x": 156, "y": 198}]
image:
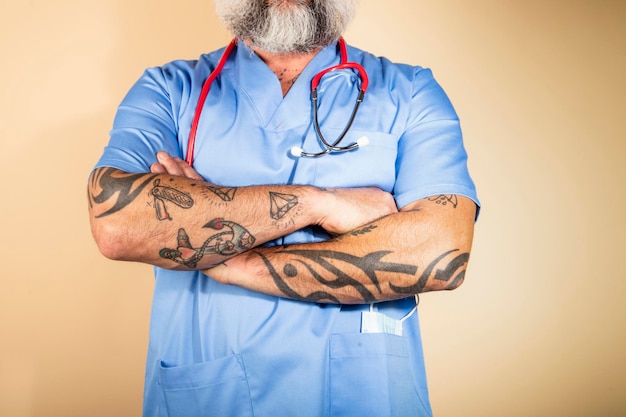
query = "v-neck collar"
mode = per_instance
[{"x": 262, "y": 87}]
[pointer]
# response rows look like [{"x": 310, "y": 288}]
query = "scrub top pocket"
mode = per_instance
[
  {"x": 214, "y": 388},
  {"x": 372, "y": 165},
  {"x": 370, "y": 375}
]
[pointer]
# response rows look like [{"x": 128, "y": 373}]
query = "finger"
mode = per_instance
[
  {"x": 190, "y": 172},
  {"x": 170, "y": 164},
  {"x": 157, "y": 168},
  {"x": 187, "y": 171},
  {"x": 176, "y": 166}
]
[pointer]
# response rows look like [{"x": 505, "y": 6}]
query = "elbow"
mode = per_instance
[
  {"x": 449, "y": 271},
  {"x": 109, "y": 250},
  {"x": 111, "y": 241},
  {"x": 450, "y": 267},
  {"x": 448, "y": 284},
  {"x": 452, "y": 275}
]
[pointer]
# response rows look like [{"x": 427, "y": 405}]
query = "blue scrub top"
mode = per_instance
[{"x": 219, "y": 350}]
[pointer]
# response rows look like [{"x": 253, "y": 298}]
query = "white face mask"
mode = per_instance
[
  {"x": 376, "y": 322},
  {"x": 286, "y": 26}
]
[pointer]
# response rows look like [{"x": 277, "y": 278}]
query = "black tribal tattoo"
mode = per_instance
[
  {"x": 231, "y": 239},
  {"x": 124, "y": 187},
  {"x": 453, "y": 273},
  {"x": 322, "y": 266},
  {"x": 318, "y": 263}
]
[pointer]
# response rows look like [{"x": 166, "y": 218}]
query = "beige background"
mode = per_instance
[{"x": 537, "y": 329}]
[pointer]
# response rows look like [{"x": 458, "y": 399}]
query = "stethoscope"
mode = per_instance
[{"x": 296, "y": 151}]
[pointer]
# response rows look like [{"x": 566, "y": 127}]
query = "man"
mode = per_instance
[{"x": 286, "y": 285}]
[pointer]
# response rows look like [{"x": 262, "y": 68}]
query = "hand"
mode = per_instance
[
  {"x": 345, "y": 209},
  {"x": 168, "y": 164}
]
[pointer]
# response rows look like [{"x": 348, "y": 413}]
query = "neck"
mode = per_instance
[{"x": 287, "y": 67}]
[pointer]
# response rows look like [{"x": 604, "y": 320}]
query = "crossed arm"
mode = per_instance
[{"x": 173, "y": 219}]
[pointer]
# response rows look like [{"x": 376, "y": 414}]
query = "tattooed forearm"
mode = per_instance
[
  {"x": 120, "y": 189},
  {"x": 230, "y": 239},
  {"x": 325, "y": 267},
  {"x": 336, "y": 272},
  {"x": 163, "y": 193},
  {"x": 280, "y": 203}
]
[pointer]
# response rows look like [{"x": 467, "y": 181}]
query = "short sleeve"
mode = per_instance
[
  {"x": 431, "y": 156},
  {"x": 143, "y": 125}
]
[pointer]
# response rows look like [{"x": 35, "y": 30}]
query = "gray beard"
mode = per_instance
[{"x": 287, "y": 26}]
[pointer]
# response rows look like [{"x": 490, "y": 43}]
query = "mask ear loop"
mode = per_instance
[{"x": 413, "y": 310}]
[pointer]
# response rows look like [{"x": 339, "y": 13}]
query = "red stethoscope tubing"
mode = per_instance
[
  {"x": 191, "y": 143},
  {"x": 314, "y": 83}
]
